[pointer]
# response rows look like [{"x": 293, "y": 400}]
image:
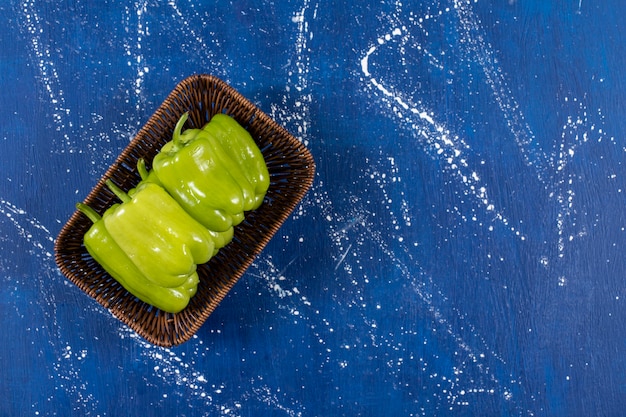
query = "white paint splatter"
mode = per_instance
[
  {"x": 26, "y": 227},
  {"x": 298, "y": 79},
  {"x": 41, "y": 53},
  {"x": 450, "y": 148}
]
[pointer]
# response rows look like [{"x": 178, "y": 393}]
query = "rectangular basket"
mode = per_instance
[{"x": 291, "y": 169}]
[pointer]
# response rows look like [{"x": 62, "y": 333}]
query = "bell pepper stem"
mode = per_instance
[
  {"x": 89, "y": 212},
  {"x": 141, "y": 168},
  {"x": 119, "y": 193},
  {"x": 178, "y": 128}
]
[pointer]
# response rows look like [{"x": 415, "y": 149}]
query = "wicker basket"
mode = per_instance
[{"x": 291, "y": 169}]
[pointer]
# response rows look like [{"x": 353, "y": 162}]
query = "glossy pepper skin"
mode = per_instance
[
  {"x": 220, "y": 239},
  {"x": 214, "y": 179},
  {"x": 157, "y": 235},
  {"x": 104, "y": 250},
  {"x": 240, "y": 146}
]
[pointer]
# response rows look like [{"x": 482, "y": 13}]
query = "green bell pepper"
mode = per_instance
[
  {"x": 240, "y": 146},
  {"x": 106, "y": 252},
  {"x": 220, "y": 239},
  {"x": 214, "y": 178},
  {"x": 159, "y": 237}
]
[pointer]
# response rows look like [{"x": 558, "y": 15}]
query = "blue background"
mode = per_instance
[{"x": 460, "y": 253}]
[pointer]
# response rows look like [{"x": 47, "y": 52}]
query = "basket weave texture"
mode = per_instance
[{"x": 291, "y": 169}]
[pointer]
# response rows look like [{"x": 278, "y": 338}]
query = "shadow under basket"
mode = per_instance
[{"x": 291, "y": 169}]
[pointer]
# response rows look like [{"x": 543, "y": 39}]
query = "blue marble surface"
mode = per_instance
[{"x": 461, "y": 252}]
